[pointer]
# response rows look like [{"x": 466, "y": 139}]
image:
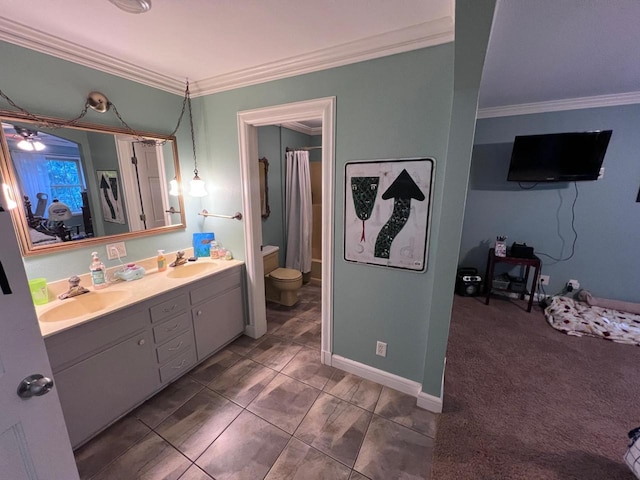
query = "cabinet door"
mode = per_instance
[
  {"x": 217, "y": 321},
  {"x": 99, "y": 389}
]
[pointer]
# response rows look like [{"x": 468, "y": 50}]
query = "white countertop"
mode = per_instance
[{"x": 125, "y": 293}]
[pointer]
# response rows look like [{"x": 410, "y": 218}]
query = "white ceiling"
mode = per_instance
[
  {"x": 543, "y": 55},
  {"x": 224, "y": 44},
  {"x": 549, "y": 55}
]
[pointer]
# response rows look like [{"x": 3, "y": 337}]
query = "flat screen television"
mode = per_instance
[{"x": 558, "y": 157}]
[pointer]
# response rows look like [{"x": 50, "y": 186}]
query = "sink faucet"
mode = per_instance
[
  {"x": 75, "y": 288},
  {"x": 180, "y": 260}
]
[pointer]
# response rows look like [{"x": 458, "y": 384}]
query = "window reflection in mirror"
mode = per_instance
[{"x": 112, "y": 183}]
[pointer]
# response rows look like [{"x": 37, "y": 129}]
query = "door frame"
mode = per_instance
[{"x": 248, "y": 123}]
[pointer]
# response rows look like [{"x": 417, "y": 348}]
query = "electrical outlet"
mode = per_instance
[
  {"x": 381, "y": 349},
  {"x": 115, "y": 249},
  {"x": 544, "y": 279},
  {"x": 573, "y": 284}
]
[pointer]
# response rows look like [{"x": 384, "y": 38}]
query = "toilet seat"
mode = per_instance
[{"x": 286, "y": 274}]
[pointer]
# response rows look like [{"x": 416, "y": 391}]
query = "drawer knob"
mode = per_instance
[
  {"x": 141, "y": 341},
  {"x": 172, "y": 307},
  {"x": 172, "y": 328},
  {"x": 199, "y": 312},
  {"x": 176, "y": 347}
]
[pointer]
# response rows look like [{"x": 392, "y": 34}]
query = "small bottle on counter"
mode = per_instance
[
  {"x": 215, "y": 250},
  {"x": 162, "y": 261},
  {"x": 98, "y": 272}
]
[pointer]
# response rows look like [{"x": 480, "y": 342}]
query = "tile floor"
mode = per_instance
[{"x": 268, "y": 408}]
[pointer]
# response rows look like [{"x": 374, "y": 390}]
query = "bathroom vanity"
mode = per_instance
[{"x": 166, "y": 323}]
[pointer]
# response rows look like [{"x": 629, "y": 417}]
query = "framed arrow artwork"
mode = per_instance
[
  {"x": 388, "y": 212},
  {"x": 110, "y": 196}
]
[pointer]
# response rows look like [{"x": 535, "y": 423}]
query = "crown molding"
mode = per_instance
[
  {"x": 414, "y": 37},
  {"x": 24, "y": 36},
  {"x": 302, "y": 128},
  {"x": 612, "y": 100},
  {"x": 423, "y": 35}
]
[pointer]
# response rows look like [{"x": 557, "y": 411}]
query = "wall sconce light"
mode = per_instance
[{"x": 196, "y": 186}]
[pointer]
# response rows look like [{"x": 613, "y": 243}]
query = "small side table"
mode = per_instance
[{"x": 526, "y": 262}]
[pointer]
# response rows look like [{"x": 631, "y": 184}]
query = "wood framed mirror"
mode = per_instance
[
  {"x": 87, "y": 184},
  {"x": 264, "y": 187}
]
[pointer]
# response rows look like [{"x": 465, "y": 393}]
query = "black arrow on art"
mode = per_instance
[
  {"x": 104, "y": 186},
  {"x": 402, "y": 190}
]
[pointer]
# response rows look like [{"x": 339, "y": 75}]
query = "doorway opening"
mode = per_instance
[{"x": 248, "y": 122}]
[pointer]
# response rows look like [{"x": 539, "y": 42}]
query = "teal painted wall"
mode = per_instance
[
  {"x": 473, "y": 25},
  {"x": 272, "y": 144},
  {"x": 394, "y": 107},
  {"x": 54, "y": 87},
  {"x": 269, "y": 147},
  {"x": 607, "y": 217}
]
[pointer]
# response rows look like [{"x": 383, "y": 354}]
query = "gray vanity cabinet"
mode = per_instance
[
  {"x": 106, "y": 367},
  {"x": 101, "y": 369},
  {"x": 104, "y": 386},
  {"x": 217, "y": 313}
]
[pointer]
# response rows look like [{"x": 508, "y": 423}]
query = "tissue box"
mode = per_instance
[{"x": 202, "y": 244}]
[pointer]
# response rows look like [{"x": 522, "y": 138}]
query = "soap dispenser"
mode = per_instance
[
  {"x": 98, "y": 272},
  {"x": 162, "y": 261}
]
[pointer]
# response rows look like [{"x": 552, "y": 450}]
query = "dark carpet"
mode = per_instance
[{"x": 524, "y": 401}]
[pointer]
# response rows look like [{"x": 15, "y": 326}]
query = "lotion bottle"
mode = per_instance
[
  {"x": 162, "y": 261},
  {"x": 98, "y": 272}
]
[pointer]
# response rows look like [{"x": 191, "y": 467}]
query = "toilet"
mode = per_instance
[{"x": 281, "y": 284}]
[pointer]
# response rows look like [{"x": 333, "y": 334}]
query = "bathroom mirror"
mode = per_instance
[
  {"x": 86, "y": 184},
  {"x": 264, "y": 187}
]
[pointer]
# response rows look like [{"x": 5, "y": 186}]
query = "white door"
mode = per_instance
[
  {"x": 151, "y": 184},
  {"x": 34, "y": 443}
]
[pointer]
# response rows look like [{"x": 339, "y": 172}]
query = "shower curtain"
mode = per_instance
[{"x": 298, "y": 211}]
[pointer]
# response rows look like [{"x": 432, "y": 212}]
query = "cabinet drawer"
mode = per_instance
[
  {"x": 217, "y": 285},
  {"x": 169, "y": 308},
  {"x": 171, "y": 328},
  {"x": 78, "y": 343},
  {"x": 175, "y": 346},
  {"x": 177, "y": 366}
]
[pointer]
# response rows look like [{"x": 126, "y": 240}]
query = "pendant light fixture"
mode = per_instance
[
  {"x": 174, "y": 187},
  {"x": 196, "y": 186}
]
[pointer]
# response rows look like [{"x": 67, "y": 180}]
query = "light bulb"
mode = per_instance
[
  {"x": 174, "y": 188},
  {"x": 39, "y": 146},
  {"x": 25, "y": 145},
  {"x": 197, "y": 187}
]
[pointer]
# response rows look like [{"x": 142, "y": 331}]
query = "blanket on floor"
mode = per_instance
[{"x": 577, "y": 318}]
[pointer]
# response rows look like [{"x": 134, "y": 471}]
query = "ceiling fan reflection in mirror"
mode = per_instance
[
  {"x": 133, "y": 6},
  {"x": 30, "y": 140}
]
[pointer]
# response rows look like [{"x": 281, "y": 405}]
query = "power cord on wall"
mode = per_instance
[{"x": 575, "y": 233}]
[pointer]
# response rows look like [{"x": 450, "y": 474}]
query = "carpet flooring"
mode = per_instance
[{"x": 524, "y": 401}]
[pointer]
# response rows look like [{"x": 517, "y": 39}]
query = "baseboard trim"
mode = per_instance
[
  {"x": 250, "y": 331},
  {"x": 430, "y": 402},
  {"x": 387, "y": 379}
]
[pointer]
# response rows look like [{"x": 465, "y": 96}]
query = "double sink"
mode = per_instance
[{"x": 121, "y": 293}]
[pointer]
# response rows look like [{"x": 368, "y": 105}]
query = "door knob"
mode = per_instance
[{"x": 34, "y": 386}]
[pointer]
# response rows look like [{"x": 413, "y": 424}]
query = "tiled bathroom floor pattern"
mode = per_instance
[{"x": 268, "y": 408}]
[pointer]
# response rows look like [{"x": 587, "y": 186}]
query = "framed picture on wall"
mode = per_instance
[
  {"x": 388, "y": 212},
  {"x": 110, "y": 196}
]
